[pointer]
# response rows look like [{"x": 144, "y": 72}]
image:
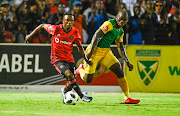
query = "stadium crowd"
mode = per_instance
[{"x": 151, "y": 22}]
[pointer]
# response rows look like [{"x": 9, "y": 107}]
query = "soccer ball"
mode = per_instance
[{"x": 71, "y": 98}]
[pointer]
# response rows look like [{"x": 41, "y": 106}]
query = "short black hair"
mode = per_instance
[
  {"x": 60, "y": 3},
  {"x": 68, "y": 13}
]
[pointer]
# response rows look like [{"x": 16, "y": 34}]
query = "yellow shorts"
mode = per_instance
[{"x": 103, "y": 55}]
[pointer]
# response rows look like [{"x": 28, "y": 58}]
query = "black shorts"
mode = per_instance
[{"x": 62, "y": 66}]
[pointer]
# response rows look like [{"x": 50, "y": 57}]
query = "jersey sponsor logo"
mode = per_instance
[
  {"x": 105, "y": 28},
  {"x": 57, "y": 40},
  {"x": 65, "y": 42},
  {"x": 147, "y": 64},
  {"x": 71, "y": 37}
]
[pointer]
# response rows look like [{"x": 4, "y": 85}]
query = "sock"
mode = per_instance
[
  {"x": 82, "y": 73},
  {"x": 67, "y": 88},
  {"x": 124, "y": 86},
  {"x": 76, "y": 87}
]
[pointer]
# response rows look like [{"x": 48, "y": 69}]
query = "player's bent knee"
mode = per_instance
[
  {"x": 89, "y": 80},
  {"x": 120, "y": 75},
  {"x": 69, "y": 76}
]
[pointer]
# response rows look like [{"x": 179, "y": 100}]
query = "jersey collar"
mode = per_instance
[
  {"x": 118, "y": 26},
  {"x": 65, "y": 31}
]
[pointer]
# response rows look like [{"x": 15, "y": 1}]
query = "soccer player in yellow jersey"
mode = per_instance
[{"x": 99, "y": 51}]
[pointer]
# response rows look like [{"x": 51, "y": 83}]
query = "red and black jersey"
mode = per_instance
[{"x": 62, "y": 43}]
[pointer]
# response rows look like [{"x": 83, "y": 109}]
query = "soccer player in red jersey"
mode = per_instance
[{"x": 63, "y": 37}]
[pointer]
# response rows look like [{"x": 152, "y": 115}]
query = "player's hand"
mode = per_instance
[
  {"x": 27, "y": 38},
  {"x": 130, "y": 66},
  {"x": 26, "y": 41}
]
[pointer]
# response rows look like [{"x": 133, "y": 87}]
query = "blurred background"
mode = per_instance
[{"x": 151, "y": 22}]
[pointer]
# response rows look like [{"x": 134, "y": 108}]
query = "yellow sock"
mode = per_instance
[
  {"x": 124, "y": 86},
  {"x": 82, "y": 73}
]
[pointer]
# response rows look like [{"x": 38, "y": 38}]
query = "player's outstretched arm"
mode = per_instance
[
  {"x": 123, "y": 55},
  {"x": 37, "y": 29},
  {"x": 81, "y": 51}
]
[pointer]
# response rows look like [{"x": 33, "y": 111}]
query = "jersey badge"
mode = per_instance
[
  {"x": 105, "y": 28},
  {"x": 71, "y": 37}
]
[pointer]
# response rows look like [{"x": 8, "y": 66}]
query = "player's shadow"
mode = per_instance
[
  {"x": 130, "y": 104},
  {"x": 117, "y": 104},
  {"x": 159, "y": 104}
]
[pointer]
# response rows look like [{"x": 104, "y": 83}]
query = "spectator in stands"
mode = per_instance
[
  {"x": 147, "y": 24},
  {"x": 2, "y": 25},
  {"x": 174, "y": 21},
  {"x": 140, "y": 3},
  {"x": 56, "y": 19},
  {"x": 44, "y": 9},
  {"x": 4, "y": 7},
  {"x": 122, "y": 6},
  {"x": 13, "y": 9},
  {"x": 161, "y": 29},
  {"x": 21, "y": 34},
  {"x": 97, "y": 17},
  {"x": 85, "y": 4},
  {"x": 80, "y": 20},
  {"x": 27, "y": 16},
  {"x": 9, "y": 26},
  {"x": 65, "y": 2},
  {"x": 135, "y": 35},
  {"x": 111, "y": 7},
  {"x": 87, "y": 10},
  {"x": 169, "y": 5},
  {"x": 128, "y": 3},
  {"x": 6, "y": 36},
  {"x": 41, "y": 11},
  {"x": 50, "y": 6}
]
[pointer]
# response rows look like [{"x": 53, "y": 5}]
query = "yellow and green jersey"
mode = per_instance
[{"x": 111, "y": 33}]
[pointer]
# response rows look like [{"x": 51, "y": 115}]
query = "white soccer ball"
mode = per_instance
[{"x": 71, "y": 98}]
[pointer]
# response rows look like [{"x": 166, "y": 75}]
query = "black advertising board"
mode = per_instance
[{"x": 29, "y": 64}]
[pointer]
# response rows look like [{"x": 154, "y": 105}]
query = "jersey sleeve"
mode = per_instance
[
  {"x": 120, "y": 39},
  {"x": 78, "y": 39},
  {"x": 106, "y": 27},
  {"x": 51, "y": 29}
]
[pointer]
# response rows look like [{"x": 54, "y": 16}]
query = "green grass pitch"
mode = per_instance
[{"x": 103, "y": 104}]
